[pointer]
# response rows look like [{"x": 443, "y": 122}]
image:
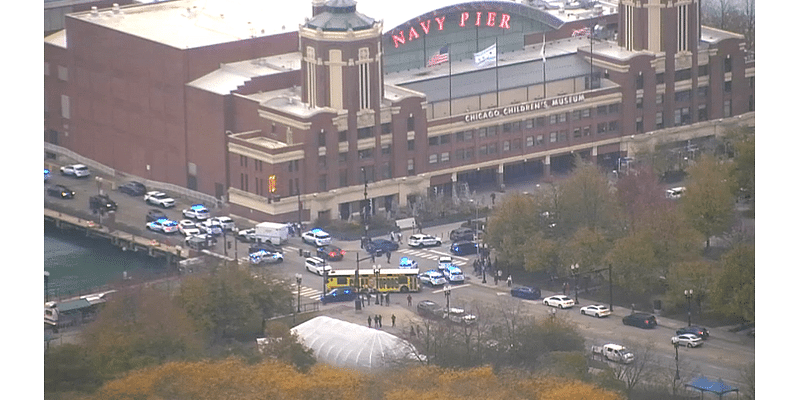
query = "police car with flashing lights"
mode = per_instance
[
  {"x": 46, "y": 174},
  {"x": 317, "y": 237},
  {"x": 454, "y": 274},
  {"x": 266, "y": 257},
  {"x": 163, "y": 225},
  {"x": 444, "y": 262},
  {"x": 210, "y": 227},
  {"x": 433, "y": 278},
  {"x": 406, "y": 262},
  {"x": 159, "y": 199},
  {"x": 197, "y": 211}
]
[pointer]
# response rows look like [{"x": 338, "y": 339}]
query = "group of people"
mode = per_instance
[
  {"x": 396, "y": 236},
  {"x": 484, "y": 266},
  {"x": 380, "y": 298},
  {"x": 379, "y": 320},
  {"x": 295, "y": 229}
]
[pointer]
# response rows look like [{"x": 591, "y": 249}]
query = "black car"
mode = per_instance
[
  {"x": 525, "y": 292},
  {"x": 700, "y": 331},
  {"x": 133, "y": 188},
  {"x": 381, "y": 246},
  {"x": 462, "y": 234},
  {"x": 427, "y": 308},
  {"x": 642, "y": 320},
  {"x": 102, "y": 203},
  {"x": 330, "y": 253},
  {"x": 266, "y": 246},
  {"x": 464, "y": 248},
  {"x": 155, "y": 215},
  {"x": 339, "y": 294},
  {"x": 60, "y": 191}
]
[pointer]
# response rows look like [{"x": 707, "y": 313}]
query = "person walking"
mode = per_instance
[
  {"x": 411, "y": 331},
  {"x": 409, "y": 300},
  {"x": 388, "y": 257},
  {"x": 369, "y": 321},
  {"x": 564, "y": 288},
  {"x": 400, "y": 237},
  {"x": 391, "y": 236},
  {"x": 393, "y": 318},
  {"x": 509, "y": 280},
  {"x": 380, "y": 320},
  {"x": 380, "y": 298},
  {"x": 387, "y": 299}
]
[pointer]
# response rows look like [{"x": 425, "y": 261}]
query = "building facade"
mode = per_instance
[{"x": 290, "y": 124}]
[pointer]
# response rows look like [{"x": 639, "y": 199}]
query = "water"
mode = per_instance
[{"x": 80, "y": 265}]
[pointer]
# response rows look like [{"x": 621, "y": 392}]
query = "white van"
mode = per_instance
[
  {"x": 273, "y": 232},
  {"x": 675, "y": 193},
  {"x": 453, "y": 274}
]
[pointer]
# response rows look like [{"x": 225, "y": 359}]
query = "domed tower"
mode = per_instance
[{"x": 341, "y": 52}]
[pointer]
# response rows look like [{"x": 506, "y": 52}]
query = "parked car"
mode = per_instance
[
  {"x": 642, "y": 320},
  {"x": 428, "y": 308},
  {"x": 133, "y": 188},
  {"x": 464, "y": 248},
  {"x": 227, "y": 223},
  {"x": 46, "y": 174},
  {"x": 102, "y": 203},
  {"x": 444, "y": 262},
  {"x": 453, "y": 274},
  {"x": 462, "y": 234},
  {"x": 597, "y": 310},
  {"x": 159, "y": 199},
  {"x": 559, "y": 301},
  {"x": 155, "y": 215},
  {"x": 381, "y": 246},
  {"x": 60, "y": 191},
  {"x": 246, "y": 235},
  {"x": 210, "y": 227},
  {"x": 76, "y": 170},
  {"x": 526, "y": 292},
  {"x": 330, "y": 252},
  {"x": 200, "y": 241},
  {"x": 316, "y": 237},
  {"x": 197, "y": 211},
  {"x": 422, "y": 240},
  {"x": 163, "y": 226},
  {"x": 700, "y": 331},
  {"x": 339, "y": 294},
  {"x": 317, "y": 265},
  {"x": 688, "y": 340},
  {"x": 188, "y": 228}
]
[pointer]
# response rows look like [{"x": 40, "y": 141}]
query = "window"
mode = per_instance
[
  {"x": 659, "y": 78},
  {"x": 321, "y": 138},
  {"x": 601, "y": 128},
  {"x": 342, "y": 177},
  {"x": 506, "y": 145},
  {"x": 410, "y": 167},
  {"x": 576, "y": 133},
  {"x": 529, "y": 141},
  {"x": 444, "y": 139},
  {"x": 491, "y": 131},
  {"x": 343, "y": 157},
  {"x": 539, "y": 140},
  {"x": 702, "y": 92},
  {"x": 411, "y": 145},
  {"x": 587, "y": 131},
  {"x": 553, "y": 119},
  {"x": 613, "y": 126},
  {"x": 683, "y": 74},
  {"x": 562, "y": 117},
  {"x": 410, "y": 123},
  {"x": 492, "y": 148},
  {"x": 659, "y": 98},
  {"x": 639, "y": 103},
  {"x": 365, "y": 132},
  {"x": 323, "y": 183},
  {"x": 602, "y": 110},
  {"x": 702, "y": 70},
  {"x": 685, "y": 95},
  {"x": 576, "y": 115},
  {"x": 342, "y": 136},
  {"x": 613, "y": 108},
  {"x": 294, "y": 165},
  {"x": 242, "y": 161},
  {"x": 586, "y": 113},
  {"x": 540, "y": 121},
  {"x": 386, "y": 149},
  {"x": 683, "y": 116},
  {"x": 433, "y": 141},
  {"x": 386, "y": 171},
  {"x": 322, "y": 162},
  {"x": 483, "y": 150},
  {"x": 639, "y": 125},
  {"x": 726, "y": 108},
  {"x": 727, "y": 86},
  {"x": 529, "y": 124},
  {"x": 553, "y": 137},
  {"x": 481, "y": 132},
  {"x": 64, "y": 106},
  {"x": 562, "y": 135},
  {"x": 445, "y": 157},
  {"x": 63, "y": 73},
  {"x": 728, "y": 64},
  {"x": 659, "y": 120},
  {"x": 702, "y": 114},
  {"x": 386, "y": 128},
  {"x": 363, "y": 78},
  {"x": 507, "y": 127},
  {"x": 365, "y": 154},
  {"x": 640, "y": 81}
]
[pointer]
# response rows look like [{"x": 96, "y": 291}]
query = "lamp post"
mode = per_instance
[
  {"x": 575, "y": 268},
  {"x": 366, "y": 205},
  {"x": 447, "y": 298},
  {"x": 688, "y": 293},
  {"x": 677, "y": 373},
  {"x": 299, "y": 278},
  {"x": 377, "y": 270}
]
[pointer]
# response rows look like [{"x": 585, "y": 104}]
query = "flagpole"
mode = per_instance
[
  {"x": 544, "y": 69},
  {"x": 450, "y": 81},
  {"x": 496, "y": 76}
]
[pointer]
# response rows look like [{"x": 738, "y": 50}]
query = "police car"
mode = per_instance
[
  {"x": 227, "y": 222},
  {"x": 433, "y": 278},
  {"x": 444, "y": 262},
  {"x": 454, "y": 274},
  {"x": 163, "y": 225},
  {"x": 406, "y": 262},
  {"x": 197, "y": 211},
  {"x": 76, "y": 170},
  {"x": 317, "y": 237},
  {"x": 210, "y": 227},
  {"x": 46, "y": 174},
  {"x": 266, "y": 257},
  {"x": 422, "y": 240},
  {"x": 188, "y": 228},
  {"x": 317, "y": 265},
  {"x": 159, "y": 199}
]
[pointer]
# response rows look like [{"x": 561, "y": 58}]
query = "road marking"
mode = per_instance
[{"x": 452, "y": 287}]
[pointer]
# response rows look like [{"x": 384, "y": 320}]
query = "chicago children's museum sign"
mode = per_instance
[{"x": 523, "y": 108}]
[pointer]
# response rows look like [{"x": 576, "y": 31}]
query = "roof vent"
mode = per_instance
[
  {"x": 94, "y": 11},
  {"x": 115, "y": 8}
]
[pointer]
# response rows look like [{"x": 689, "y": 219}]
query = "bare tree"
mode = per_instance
[{"x": 640, "y": 370}]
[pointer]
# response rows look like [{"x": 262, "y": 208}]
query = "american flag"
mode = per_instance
[
  {"x": 581, "y": 32},
  {"x": 441, "y": 57}
]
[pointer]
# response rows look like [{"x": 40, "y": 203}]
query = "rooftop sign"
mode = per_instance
[
  {"x": 523, "y": 108},
  {"x": 467, "y": 19}
]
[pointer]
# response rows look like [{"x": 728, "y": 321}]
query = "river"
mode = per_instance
[{"x": 78, "y": 264}]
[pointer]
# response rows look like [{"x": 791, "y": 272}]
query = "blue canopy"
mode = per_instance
[{"x": 707, "y": 385}]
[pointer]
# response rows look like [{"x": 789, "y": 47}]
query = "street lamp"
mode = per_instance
[
  {"x": 575, "y": 268},
  {"x": 447, "y": 298},
  {"x": 299, "y": 278},
  {"x": 377, "y": 270},
  {"x": 677, "y": 373},
  {"x": 688, "y": 293},
  {"x": 366, "y": 205}
]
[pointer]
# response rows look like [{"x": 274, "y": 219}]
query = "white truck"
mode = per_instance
[
  {"x": 273, "y": 232},
  {"x": 614, "y": 352}
]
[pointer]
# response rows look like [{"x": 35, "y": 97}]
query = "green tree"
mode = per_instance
[
  {"x": 735, "y": 291},
  {"x": 634, "y": 261},
  {"x": 587, "y": 200},
  {"x": 708, "y": 202},
  {"x": 230, "y": 302},
  {"x": 283, "y": 345},
  {"x": 512, "y": 221},
  {"x": 586, "y": 248}
]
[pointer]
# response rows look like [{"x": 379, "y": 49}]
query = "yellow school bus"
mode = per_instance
[{"x": 401, "y": 280}]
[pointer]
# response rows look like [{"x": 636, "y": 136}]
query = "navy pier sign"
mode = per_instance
[{"x": 523, "y": 108}]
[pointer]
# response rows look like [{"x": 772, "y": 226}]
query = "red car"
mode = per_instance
[{"x": 330, "y": 253}]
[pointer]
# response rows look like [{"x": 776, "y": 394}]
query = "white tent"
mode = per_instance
[{"x": 351, "y": 345}]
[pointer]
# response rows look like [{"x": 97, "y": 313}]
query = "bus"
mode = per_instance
[{"x": 388, "y": 280}]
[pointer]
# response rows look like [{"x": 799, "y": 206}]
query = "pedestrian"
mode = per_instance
[
  {"x": 388, "y": 257},
  {"x": 409, "y": 300},
  {"x": 495, "y": 279},
  {"x": 391, "y": 236},
  {"x": 369, "y": 298},
  {"x": 400, "y": 237},
  {"x": 492, "y": 196},
  {"x": 373, "y": 257},
  {"x": 369, "y": 321},
  {"x": 387, "y": 299},
  {"x": 509, "y": 280},
  {"x": 361, "y": 297},
  {"x": 564, "y": 288},
  {"x": 393, "y": 318},
  {"x": 380, "y": 320},
  {"x": 380, "y": 298}
]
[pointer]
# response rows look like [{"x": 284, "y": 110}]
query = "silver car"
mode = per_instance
[{"x": 688, "y": 340}]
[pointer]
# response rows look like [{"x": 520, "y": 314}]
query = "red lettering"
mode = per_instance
[
  {"x": 504, "y": 21},
  {"x": 440, "y": 21},
  {"x": 490, "y": 18},
  {"x": 426, "y": 26},
  {"x": 477, "y": 18},
  {"x": 464, "y": 18},
  {"x": 412, "y": 34},
  {"x": 398, "y": 40}
]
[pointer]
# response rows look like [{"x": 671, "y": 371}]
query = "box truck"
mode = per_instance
[{"x": 273, "y": 232}]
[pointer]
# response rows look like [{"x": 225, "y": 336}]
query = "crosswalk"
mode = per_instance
[
  {"x": 305, "y": 291},
  {"x": 432, "y": 254}
]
